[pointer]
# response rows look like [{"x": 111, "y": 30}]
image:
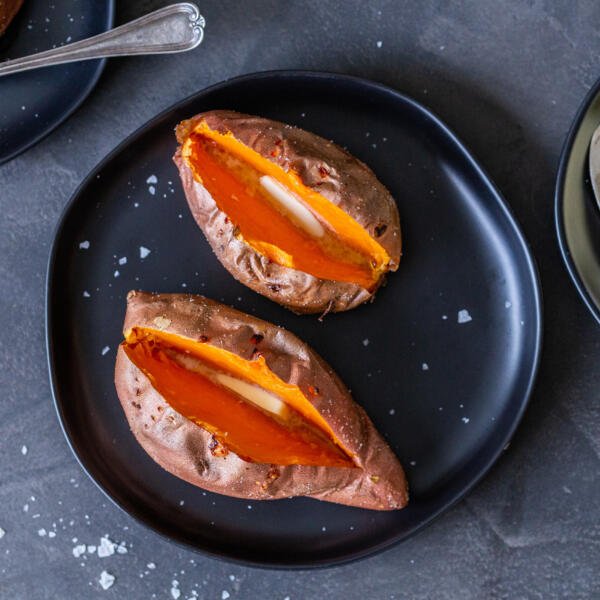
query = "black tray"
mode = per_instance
[
  {"x": 447, "y": 396},
  {"x": 33, "y": 103}
]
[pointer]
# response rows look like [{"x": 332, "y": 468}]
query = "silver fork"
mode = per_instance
[{"x": 175, "y": 28}]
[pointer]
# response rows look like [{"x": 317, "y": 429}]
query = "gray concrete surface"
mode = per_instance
[{"x": 507, "y": 77}]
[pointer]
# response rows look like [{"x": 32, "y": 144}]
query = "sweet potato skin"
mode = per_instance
[
  {"x": 8, "y": 11},
  {"x": 182, "y": 448},
  {"x": 321, "y": 165}
]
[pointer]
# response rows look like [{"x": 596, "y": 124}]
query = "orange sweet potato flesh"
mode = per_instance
[
  {"x": 230, "y": 172},
  {"x": 296, "y": 435}
]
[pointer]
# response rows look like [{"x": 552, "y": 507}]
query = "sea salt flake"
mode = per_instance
[
  {"x": 106, "y": 547},
  {"x": 51, "y": 534},
  {"x": 152, "y": 190},
  {"x": 78, "y": 550},
  {"x": 151, "y": 566},
  {"x": 84, "y": 245},
  {"x": 425, "y": 367},
  {"x": 465, "y": 420},
  {"x": 86, "y": 294},
  {"x": 23, "y": 450},
  {"x": 464, "y": 316},
  {"x": 106, "y": 580},
  {"x": 379, "y": 43},
  {"x": 224, "y": 595},
  {"x": 42, "y": 532},
  {"x": 91, "y": 549},
  {"x": 123, "y": 260},
  {"x": 144, "y": 252},
  {"x": 365, "y": 342},
  {"x": 232, "y": 578},
  {"x": 122, "y": 548},
  {"x": 152, "y": 179},
  {"x": 175, "y": 593},
  {"x": 105, "y": 350},
  {"x": 2, "y": 533},
  {"x": 116, "y": 274}
]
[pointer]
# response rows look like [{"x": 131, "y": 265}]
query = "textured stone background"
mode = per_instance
[{"x": 507, "y": 77}]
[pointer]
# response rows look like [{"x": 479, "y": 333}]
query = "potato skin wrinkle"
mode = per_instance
[
  {"x": 330, "y": 260},
  {"x": 376, "y": 481}
]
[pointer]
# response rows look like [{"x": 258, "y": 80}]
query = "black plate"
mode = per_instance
[
  {"x": 463, "y": 250},
  {"x": 33, "y": 103},
  {"x": 576, "y": 212}
]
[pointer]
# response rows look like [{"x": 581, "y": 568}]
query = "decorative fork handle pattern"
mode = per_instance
[{"x": 175, "y": 28}]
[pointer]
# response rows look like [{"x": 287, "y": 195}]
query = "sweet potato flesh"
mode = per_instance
[
  {"x": 306, "y": 231},
  {"x": 248, "y": 409}
]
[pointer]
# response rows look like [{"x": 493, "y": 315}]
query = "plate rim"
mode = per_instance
[
  {"x": 528, "y": 261},
  {"x": 561, "y": 234},
  {"x": 100, "y": 65}
]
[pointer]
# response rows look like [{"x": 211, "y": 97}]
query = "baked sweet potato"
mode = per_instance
[
  {"x": 238, "y": 406},
  {"x": 8, "y": 11},
  {"x": 288, "y": 213}
]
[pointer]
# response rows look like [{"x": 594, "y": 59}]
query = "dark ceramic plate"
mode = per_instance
[
  {"x": 447, "y": 395},
  {"x": 33, "y": 103},
  {"x": 576, "y": 212}
]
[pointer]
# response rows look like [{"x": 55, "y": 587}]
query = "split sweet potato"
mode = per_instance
[
  {"x": 238, "y": 406},
  {"x": 288, "y": 213}
]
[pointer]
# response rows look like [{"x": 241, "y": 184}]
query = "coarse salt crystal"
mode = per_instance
[
  {"x": 507, "y": 304},
  {"x": 379, "y": 44},
  {"x": 151, "y": 566},
  {"x": 116, "y": 274},
  {"x": 51, "y": 534},
  {"x": 105, "y": 350},
  {"x": 144, "y": 252},
  {"x": 465, "y": 420},
  {"x": 425, "y": 367},
  {"x": 464, "y": 316},
  {"x": 152, "y": 190},
  {"x": 224, "y": 595},
  {"x": 23, "y": 450},
  {"x": 152, "y": 179},
  {"x": 42, "y": 532},
  {"x": 2, "y": 533},
  {"x": 106, "y": 547},
  {"x": 91, "y": 549},
  {"x": 365, "y": 342},
  {"x": 78, "y": 550},
  {"x": 86, "y": 294},
  {"x": 123, "y": 260},
  {"x": 106, "y": 580},
  {"x": 84, "y": 245}
]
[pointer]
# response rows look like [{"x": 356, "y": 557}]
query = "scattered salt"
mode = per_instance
[
  {"x": 413, "y": 463},
  {"x": 2, "y": 533},
  {"x": 392, "y": 411},
  {"x": 42, "y": 532},
  {"x": 175, "y": 593},
  {"x": 84, "y": 245},
  {"x": 106, "y": 580},
  {"x": 151, "y": 566},
  {"x": 365, "y": 342},
  {"x": 105, "y": 350},
  {"x": 23, "y": 450},
  {"x": 507, "y": 304},
  {"x": 152, "y": 179},
  {"x": 123, "y": 260},
  {"x": 379, "y": 44},
  {"x": 152, "y": 190},
  {"x": 86, "y": 294},
  {"x": 122, "y": 548},
  {"x": 144, "y": 252},
  {"x": 464, "y": 316},
  {"x": 78, "y": 550},
  {"x": 224, "y": 595},
  {"x": 116, "y": 274},
  {"x": 425, "y": 367},
  {"x": 51, "y": 534},
  {"x": 232, "y": 578},
  {"x": 91, "y": 549},
  {"x": 445, "y": 317},
  {"x": 465, "y": 420}
]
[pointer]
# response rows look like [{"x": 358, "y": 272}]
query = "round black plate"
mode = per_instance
[
  {"x": 576, "y": 212},
  {"x": 33, "y": 103},
  {"x": 446, "y": 395}
]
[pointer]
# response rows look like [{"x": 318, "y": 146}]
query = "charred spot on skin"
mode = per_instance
[
  {"x": 203, "y": 339},
  {"x": 160, "y": 408},
  {"x": 323, "y": 172},
  {"x": 216, "y": 448},
  {"x": 138, "y": 392},
  {"x": 274, "y": 288},
  {"x": 380, "y": 229},
  {"x": 136, "y": 405},
  {"x": 256, "y": 339}
]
